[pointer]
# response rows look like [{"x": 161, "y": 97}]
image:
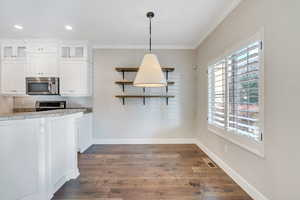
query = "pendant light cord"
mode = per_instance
[
  {"x": 150, "y": 32},
  {"x": 150, "y": 15}
]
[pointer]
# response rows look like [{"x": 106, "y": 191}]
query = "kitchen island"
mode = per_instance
[{"x": 38, "y": 153}]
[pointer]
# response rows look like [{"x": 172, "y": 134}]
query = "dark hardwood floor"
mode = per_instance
[{"x": 149, "y": 172}]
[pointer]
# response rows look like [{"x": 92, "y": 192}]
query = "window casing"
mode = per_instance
[{"x": 235, "y": 96}]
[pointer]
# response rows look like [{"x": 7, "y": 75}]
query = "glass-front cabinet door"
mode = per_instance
[
  {"x": 13, "y": 51},
  {"x": 73, "y": 52}
]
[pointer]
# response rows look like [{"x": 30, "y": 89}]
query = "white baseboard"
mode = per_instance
[
  {"x": 146, "y": 141},
  {"x": 73, "y": 174},
  {"x": 83, "y": 149},
  {"x": 250, "y": 189}
]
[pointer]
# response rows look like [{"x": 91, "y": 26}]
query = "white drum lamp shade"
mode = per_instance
[{"x": 150, "y": 73}]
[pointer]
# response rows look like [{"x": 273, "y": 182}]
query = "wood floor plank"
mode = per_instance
[{"x": 149, "y": 172}]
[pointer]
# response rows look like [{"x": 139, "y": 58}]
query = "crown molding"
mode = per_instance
[
  {"x": 210, "y": 29},
  {"x": 99, "y": 46}
]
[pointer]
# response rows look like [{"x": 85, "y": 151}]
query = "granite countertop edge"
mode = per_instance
[{"x": 42, "y": 114}]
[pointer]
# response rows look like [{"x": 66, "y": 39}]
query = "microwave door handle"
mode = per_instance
[{"x": 50, "y": 87}]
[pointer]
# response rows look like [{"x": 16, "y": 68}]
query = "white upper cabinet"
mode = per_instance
[
  {"x": 74, "y": 78},
  {"x": 13, "y": 50},
  {"x": 13, "y": 67},
  {"x": 75, "y": 73},
  {"x": 13, "y": 78},
  {"x": 42, "y": 60},
  {"x": 68, "y": 60},
  {"x": 73, "y": 51},
  {"x": 42, "y": 65}
]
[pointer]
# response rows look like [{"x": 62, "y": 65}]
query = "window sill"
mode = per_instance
[{"x": 256, "y": 148}]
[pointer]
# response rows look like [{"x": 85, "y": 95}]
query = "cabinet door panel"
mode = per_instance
[
  {"x": 74, "y": 78},
  {"x": 32, "y": 67},
  {"x": 44, "y": 65},
  {"x": 77, "y": 52},
  {"x": 13, "y": 77},
  {"x": 85, "y": 131},
  {"x": 13, "y": 51},
  {"x": 19, "y": 170},
  {"x": 59, "y": 154},
  {"x": 50, "y": 65},
  {"x": 63, "y": 151}
]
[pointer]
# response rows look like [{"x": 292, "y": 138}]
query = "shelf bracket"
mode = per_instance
[
  {"x": 123, "y": 75},
  {"x": 167, "y": 100},
  {"x": 144, "y": 90},
  {"x": 167, "y": 89},
  {"x": 167, "y": 75},
  {"x": 123, "y": 87},
  {"x": 144, "y": 101},
  {"x": 123, "y": 100}
]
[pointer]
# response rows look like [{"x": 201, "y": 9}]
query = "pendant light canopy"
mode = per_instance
[{"x": 150, "y": 73}]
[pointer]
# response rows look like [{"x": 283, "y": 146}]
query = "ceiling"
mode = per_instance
[{"x": 115, "y": 23}]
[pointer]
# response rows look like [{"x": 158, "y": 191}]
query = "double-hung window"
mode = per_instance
[{"x": 235, "y": 103}]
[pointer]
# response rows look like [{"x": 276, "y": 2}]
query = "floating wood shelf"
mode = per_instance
[
  {"x": 124, "y": 82},
  {"x": 131, "y": 82},
  {"x": 144, "y": 97},
  {"x": 135, "y": 69}
]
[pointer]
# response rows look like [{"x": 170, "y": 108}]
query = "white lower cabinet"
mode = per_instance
[
  {"x": 19, "y": 158},
  {"x": 74, "y": 78},
  {"x": 13, "y": 77},
  {"x": 37, "y": 156},
  {"x": 63, "y": 151},
  {"x": 85, "y": 132}
]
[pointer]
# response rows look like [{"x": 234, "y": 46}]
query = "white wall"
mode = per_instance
[
  {"x": 277, "y": 175},
  {"x": 114, "y": 121}
]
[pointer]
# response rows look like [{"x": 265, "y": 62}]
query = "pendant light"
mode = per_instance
[{"x": 150, "y": 73}]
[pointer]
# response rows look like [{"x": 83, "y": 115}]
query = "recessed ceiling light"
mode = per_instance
[
  {"x": 68, "y": 27},
  {"x": 19, "y": 27}
]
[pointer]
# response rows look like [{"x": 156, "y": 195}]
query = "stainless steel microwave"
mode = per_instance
[{"x": 42, "y": 85}]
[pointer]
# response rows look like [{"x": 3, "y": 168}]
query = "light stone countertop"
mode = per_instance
[{"x": 42, "y": 114}]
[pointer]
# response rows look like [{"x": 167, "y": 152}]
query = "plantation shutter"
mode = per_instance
[
  {"x": 216, "y": 94},
  {"x": 243, "y": 91}
]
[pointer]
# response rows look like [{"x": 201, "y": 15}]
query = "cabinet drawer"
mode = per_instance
[{"x": 43, "y": 49}]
